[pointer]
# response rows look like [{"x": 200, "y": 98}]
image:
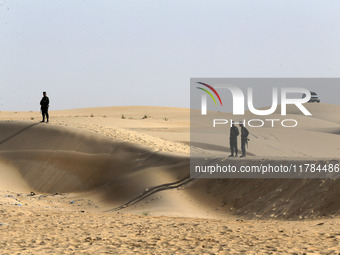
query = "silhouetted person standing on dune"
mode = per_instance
[
  {"x": 44, "y": 103},
  {"x": 233, "y": 140},
  {"x": 244, "y": 140}
]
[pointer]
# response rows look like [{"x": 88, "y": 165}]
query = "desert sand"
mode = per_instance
[{"x": 116, "y": 180}]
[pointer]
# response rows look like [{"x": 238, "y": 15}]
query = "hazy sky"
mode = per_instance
[{"x": 110, "y": 53}]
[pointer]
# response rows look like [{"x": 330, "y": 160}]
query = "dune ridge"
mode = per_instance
[
  {"x": 107, "y": 184},
  {"x": 54, "y": 159}
]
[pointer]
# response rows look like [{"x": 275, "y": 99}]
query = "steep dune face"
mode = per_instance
[
  {"x": 55, "y": 159},
  {"x": 65, "y": 171},
  {"x": 274, "y": 198},
  {"x": 49, "y": 159}
]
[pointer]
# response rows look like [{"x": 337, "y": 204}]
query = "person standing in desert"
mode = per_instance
[
  {"x": 44, "y": 103},
  {"x": 233, "y": 140},
  {"x": 244, "y": 140}
]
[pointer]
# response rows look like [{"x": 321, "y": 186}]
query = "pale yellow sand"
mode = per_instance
[
  {"x": 40, "y": 228},
  {"x": 97, "y": 159}
]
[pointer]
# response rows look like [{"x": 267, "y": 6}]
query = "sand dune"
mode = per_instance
[
  {"x": 66, "y": 160},
  {"x": 106, "y": 164},
  {"x": 275, "y": 198},
  {"x": 314, "y": 136},
  {"x": 55, "y": 159},
  {"x": 320, "y": 111}
]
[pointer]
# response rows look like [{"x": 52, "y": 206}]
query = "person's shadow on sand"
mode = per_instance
[{"x": 19, "y": 132}]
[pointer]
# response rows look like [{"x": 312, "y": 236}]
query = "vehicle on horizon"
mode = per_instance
[{"x": 314, "y": 97}]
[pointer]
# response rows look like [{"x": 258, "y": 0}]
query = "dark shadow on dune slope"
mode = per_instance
[
  {"x": 18, "y": 132},
  {"x": 153, "y": 190},
  {"x": 212, "y": 147},
  {"x": 54, "y": 159},
  {"x": 274, "y": 198}
]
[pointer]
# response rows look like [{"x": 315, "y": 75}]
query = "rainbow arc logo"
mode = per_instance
[
  {"x": 209, "y": 93},
  {"x": 204, "y": 97}
]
